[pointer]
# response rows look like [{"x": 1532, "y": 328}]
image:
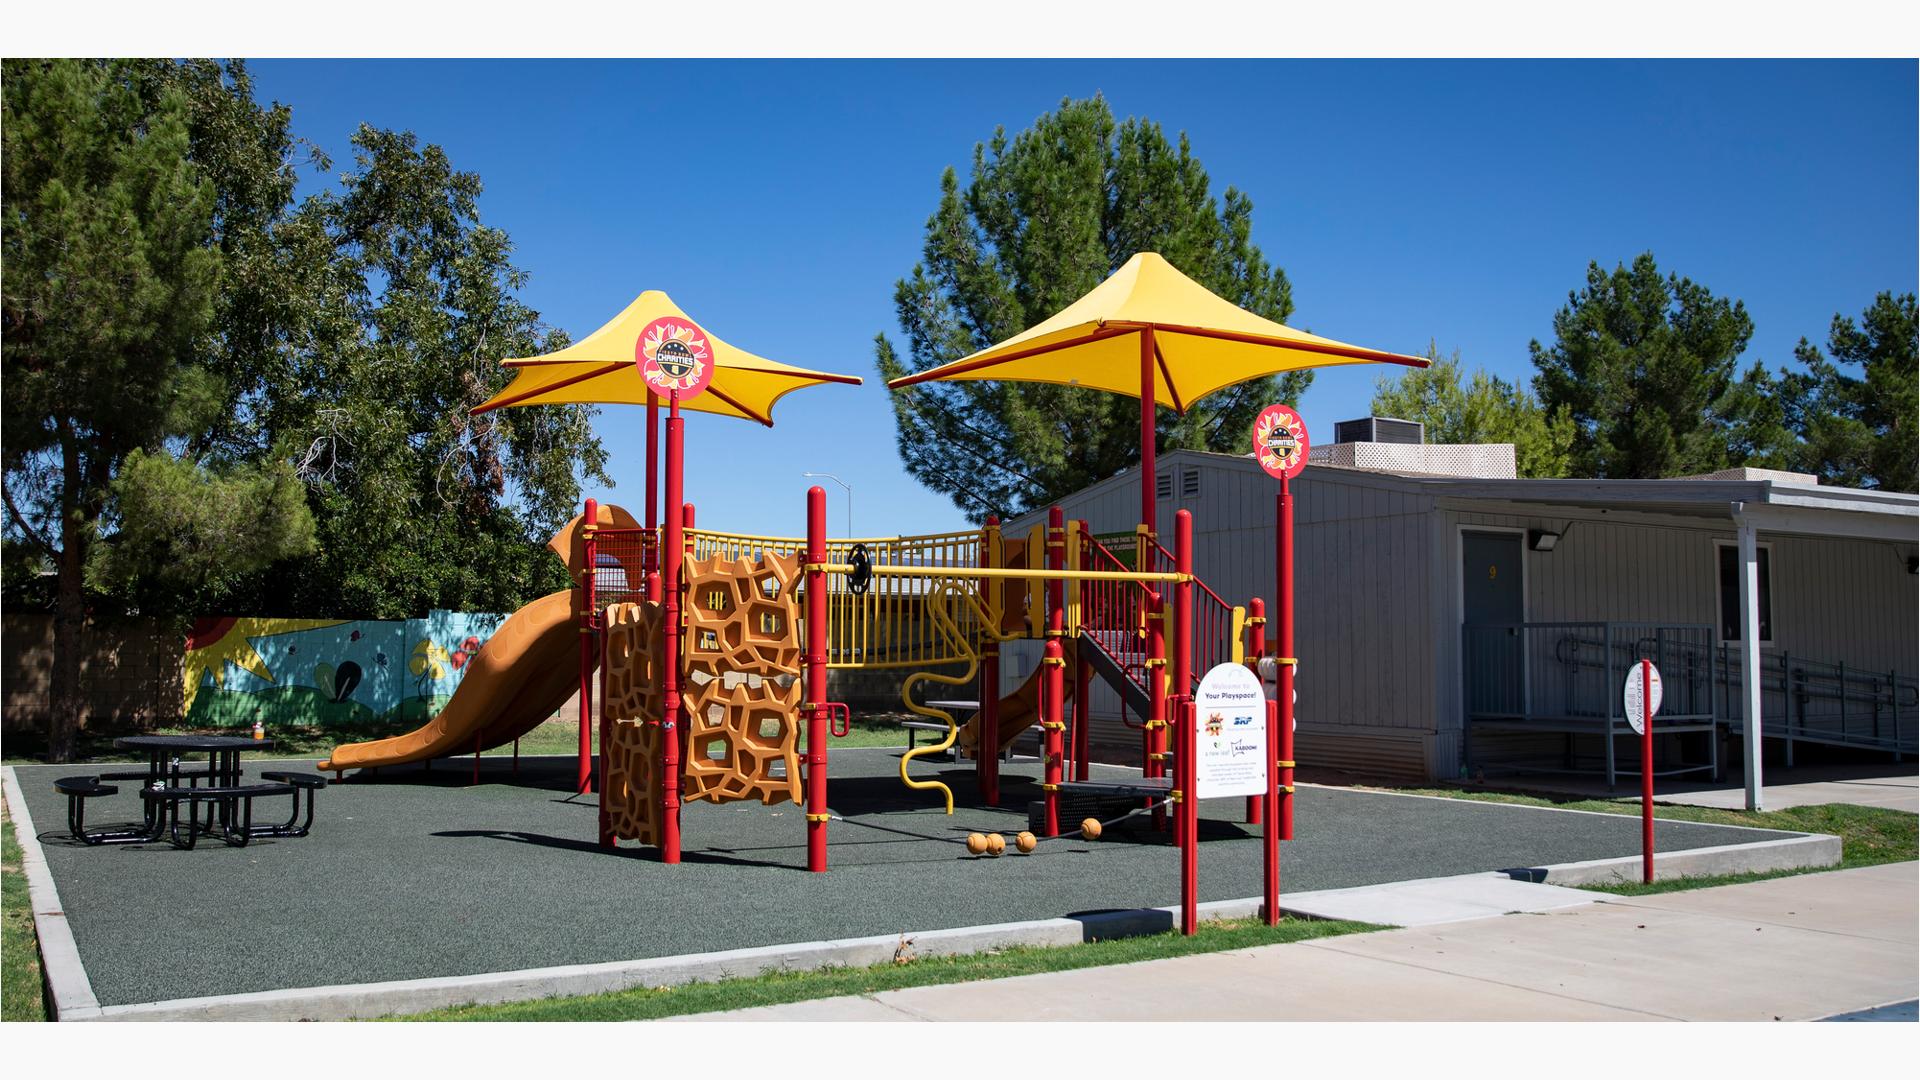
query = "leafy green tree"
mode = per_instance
[
  {"x": 1859, "y": 430},
  {"x": 1643, "y": 365},
  {"x": 110, "y": 288},
  {"x": 1480, "y": 408},
  {"x": 1046, "y": 216},
  {"x": 417, "y": 504},
  {"x": 221, "y": 399}
]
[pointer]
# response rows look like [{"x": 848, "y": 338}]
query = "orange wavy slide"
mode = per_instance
[{"x": 525, "y": 671}]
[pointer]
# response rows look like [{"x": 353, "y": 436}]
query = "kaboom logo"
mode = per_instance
[{"x": 675, "y": 356}]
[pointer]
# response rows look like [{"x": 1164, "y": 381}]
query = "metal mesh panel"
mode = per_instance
[
  {"x": 1490, "y": 461},
  {"x": 619, "y": 575}
]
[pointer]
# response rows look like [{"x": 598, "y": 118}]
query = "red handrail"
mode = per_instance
[
  {"x": 1114, "y": 612},
  {"x": 1212, "y": 618}
]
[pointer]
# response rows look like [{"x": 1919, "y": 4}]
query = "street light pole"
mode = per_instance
[{"x": 843, "y": 484}]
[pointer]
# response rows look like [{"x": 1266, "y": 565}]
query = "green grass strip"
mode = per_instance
[
  {"x": 1869, "y": 835},
  {"x": 21, "y": 996},
  {"x": 779, "y": 988}
]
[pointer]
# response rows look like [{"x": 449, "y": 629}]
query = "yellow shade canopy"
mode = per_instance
[
  {"x": 600, "y": 369},
  {"x": 1201, "y": 343}
]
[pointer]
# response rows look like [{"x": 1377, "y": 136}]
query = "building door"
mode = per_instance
[{"x": 1492, "y": 607}]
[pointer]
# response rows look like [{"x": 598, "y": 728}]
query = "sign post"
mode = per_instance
[
  {"x": 1641, "y": 696},
  {"x": 1231, "y": 754},
  {"x": 1280, "y": 446}
]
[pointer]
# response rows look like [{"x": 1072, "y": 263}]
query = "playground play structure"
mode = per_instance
[{"x": 713, "y": 648}]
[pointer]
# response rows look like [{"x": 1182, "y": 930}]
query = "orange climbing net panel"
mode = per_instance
[
  {"x": 631, "y": 704},
  {"x": 742, "y": 679}
]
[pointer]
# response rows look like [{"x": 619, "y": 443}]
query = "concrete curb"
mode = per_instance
[
  {"x": 1810, "y": 851},
  {"x": 69, "y": 993}
]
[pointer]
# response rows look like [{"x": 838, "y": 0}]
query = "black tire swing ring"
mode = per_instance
[{"x": 862, "y": 573}]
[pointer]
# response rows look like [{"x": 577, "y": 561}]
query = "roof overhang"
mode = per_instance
[{"x": 1771, "y": 506}]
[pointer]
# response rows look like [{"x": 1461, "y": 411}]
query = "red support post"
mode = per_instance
[
  {"x": 1257, "y": 648},
  {"x": 589, "y": 523},
  {"x": 1270, "y": 837},
  {"x": 986, "y": 751},
  {"x": 1057, "y": 619},
  {"x": 651, "y": 583},
  {"x": 650, "y": 543},
  {"x": 686, "y": 516},
  {"x": 1181, "y": 661},
  {"x": 1051, "y": 725},
  {"x": 1148, "y": 432},
  {"x": 1156, "y": 664},
  {"x": 670, "y": 636},
  {"x": 1083, "y": 683},
  {"x": 816, "y": 693},
  {"x": 1646, "y": 772},
  {"x": 1284, "y": 647},
  {"x": 1189, "y": 815},
  {"x": 1156, "y": 724}
]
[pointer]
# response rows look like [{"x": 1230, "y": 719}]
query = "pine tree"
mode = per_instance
[
  {"x": 1643, "y": 365},
  {"x": 1859, "y": 430},
  {"x": 1045, "y": 216}
]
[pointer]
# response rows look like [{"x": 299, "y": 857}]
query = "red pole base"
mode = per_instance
[
  {"x": 1270, "y": 836},
  {"x": 1189, "y": 821}
]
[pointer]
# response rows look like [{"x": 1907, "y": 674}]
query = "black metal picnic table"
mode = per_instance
[
  {"x": 223, "y": 763},
  {"x": 165, "y": 785},
  {"x": 223, "y": 753}
]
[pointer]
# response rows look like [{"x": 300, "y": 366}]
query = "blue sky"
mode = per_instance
[{"x": 1459, "y": 201}]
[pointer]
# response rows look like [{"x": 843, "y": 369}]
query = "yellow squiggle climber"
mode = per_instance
[{"x": 937, "y": 604}]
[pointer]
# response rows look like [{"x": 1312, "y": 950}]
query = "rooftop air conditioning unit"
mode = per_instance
[{"x": 1380, "y": 429}]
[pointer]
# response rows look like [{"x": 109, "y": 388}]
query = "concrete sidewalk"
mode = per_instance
[{"x": 1796, "y": 948}]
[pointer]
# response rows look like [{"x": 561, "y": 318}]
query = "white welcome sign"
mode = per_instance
[{"x": 1230, "y": 740}]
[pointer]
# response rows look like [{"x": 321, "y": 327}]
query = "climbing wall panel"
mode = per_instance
[
  {"x": 630, "y": 710},
  {"x": 738, "y": 729},
  {"x": 742, "y": 686}
]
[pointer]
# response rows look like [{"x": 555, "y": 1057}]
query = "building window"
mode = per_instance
[
  {"x": 1190, "y": 484},
  {"x": 1729, "y": 554},
  {"x": 1163, "y": 485}
]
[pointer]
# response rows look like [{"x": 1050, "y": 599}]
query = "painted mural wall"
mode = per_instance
[{"x": 328, "y": 673}]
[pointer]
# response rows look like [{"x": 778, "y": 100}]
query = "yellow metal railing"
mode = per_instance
[{"x": 892, "y": 624}]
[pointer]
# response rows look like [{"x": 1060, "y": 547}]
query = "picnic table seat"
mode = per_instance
[
  {"x": 78, "y": 789},
  {"x": 298, "y": 781},
  {"x": 239, "y": 826}
]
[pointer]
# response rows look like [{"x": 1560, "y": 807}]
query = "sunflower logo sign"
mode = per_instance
[
  {"x": 1280, "y": 442},
  {"x": 675, "y": 356}
]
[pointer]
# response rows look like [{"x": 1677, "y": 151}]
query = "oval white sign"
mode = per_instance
[{"x": 1639, "y": 681}]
